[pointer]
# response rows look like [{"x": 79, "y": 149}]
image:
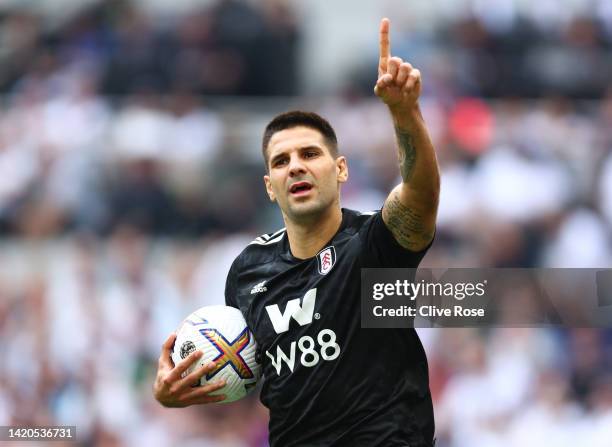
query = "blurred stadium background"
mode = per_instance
[{"x": 130, "y": 176}]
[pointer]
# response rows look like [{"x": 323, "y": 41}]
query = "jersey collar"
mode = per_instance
[{"x": 284, "y": 250}]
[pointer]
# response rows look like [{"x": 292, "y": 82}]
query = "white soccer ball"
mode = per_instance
[{"x": 221, "y": 333}]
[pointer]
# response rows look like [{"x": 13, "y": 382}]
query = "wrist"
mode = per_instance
[{"x": 406, "y": 116}]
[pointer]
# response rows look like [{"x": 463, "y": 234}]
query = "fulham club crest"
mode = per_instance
[{"x": 326, "y": 259}]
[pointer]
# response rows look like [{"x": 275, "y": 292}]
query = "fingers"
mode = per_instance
[
  {"x": 398, "y": 83},
  {"x": 382, "y": 83},
  {"x": 402, "y": 74},
  {"x": 384, "y": 46},
  {"x": 201, "y": 394},
  {"x": 184, "y": 365},
  {"x": 404, "y": 88},
  {"x": 171, "y": 391},
  {"x": 195, "y": 376},
  {"x": 169, "y": 343},
  {"x": 165, "y": 359},
  {"x": 393, "y": 66},
  {"x": 175, "y": 396},
  {"x": 413, "y": 81}
]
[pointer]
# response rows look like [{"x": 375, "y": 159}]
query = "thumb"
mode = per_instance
[{"x": 382, "y": 83}]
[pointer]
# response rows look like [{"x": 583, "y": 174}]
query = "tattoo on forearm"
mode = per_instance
[
  {"x": 405, "y": 223},
  {"x": 407, "y": 153}
]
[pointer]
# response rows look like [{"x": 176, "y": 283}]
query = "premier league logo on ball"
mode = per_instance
[{"x": 187, "y": 348}]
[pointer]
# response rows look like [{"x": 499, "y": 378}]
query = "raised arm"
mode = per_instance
[{"x": 411, "y": 208}]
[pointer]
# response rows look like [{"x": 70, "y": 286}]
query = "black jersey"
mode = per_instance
[{"x": 327, "y": 381}]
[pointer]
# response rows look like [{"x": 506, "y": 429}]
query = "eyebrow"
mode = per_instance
[{"x": 301, "y": 148}]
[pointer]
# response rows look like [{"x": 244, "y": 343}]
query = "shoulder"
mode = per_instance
[
  {"x": 357, "y": 220},
  {"x": 268, "y": 239},
  {"x": 260, "y": 250}
]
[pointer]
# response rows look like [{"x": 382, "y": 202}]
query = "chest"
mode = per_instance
[{"x": 284, "y": 301}]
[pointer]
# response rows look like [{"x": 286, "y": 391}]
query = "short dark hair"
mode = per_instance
[{"x": 296, "y": 118}]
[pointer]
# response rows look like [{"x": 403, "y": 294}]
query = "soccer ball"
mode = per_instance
[{"x": 221, "y": 333}]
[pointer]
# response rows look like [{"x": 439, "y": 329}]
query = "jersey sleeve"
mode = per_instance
[
  {"x": 382, "y": 250},
  {"x": 230, "y": 286}
]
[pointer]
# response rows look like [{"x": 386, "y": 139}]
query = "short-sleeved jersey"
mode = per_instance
[{"x": 327, "y": 381}]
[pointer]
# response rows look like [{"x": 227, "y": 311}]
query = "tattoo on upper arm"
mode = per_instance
[
  {"x": 405, "y": 224},
  {"x": 407, "y": 153}
]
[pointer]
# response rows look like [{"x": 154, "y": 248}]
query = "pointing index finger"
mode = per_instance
[{"x": 384, "y": 50}]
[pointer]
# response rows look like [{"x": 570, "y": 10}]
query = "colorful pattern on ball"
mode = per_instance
[
  {"x": 222, "y": 335},
  {"x": 229, "y": 352}
]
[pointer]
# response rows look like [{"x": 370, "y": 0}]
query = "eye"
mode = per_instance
[
  {"x": 310, "y": 154},
  {"x": 279, "y": 162}
]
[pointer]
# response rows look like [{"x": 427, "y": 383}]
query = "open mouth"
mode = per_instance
[{"x": 300, "y": 188}]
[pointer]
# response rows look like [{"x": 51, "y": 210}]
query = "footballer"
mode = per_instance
[{"x": 327, "y": 381}]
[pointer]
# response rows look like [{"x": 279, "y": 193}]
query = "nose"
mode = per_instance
[{"x": 296, "y": 167}]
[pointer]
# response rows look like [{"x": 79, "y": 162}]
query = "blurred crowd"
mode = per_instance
[
  {"x": 82, "y": 322},
  {"x": 228, "y": 47},
  {"x": 506, "y": 48},
  {"x": 131, "y": 176}
]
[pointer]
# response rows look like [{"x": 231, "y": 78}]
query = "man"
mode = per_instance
[{"x": 327, "y": 381}]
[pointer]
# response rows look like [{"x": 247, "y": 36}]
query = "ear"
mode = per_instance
[
  {"x": 342, "y": 169},
  {"x": 271, "y": 195}
]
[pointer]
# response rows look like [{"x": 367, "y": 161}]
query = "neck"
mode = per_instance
[{"x": 308, "y": 237}]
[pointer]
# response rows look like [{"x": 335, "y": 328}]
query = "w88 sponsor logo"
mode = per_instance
[{"x": 310, "y": 354}]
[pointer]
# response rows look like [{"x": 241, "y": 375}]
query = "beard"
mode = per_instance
[{"x": 309, "y": 209}]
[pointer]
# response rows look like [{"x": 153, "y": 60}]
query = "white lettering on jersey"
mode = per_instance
[
  {"x": 328, "y": 350},
  {"x": 303, "y": 314},
  {"x": 259, "y": 288},
  {"x": 282, "y": 357}
]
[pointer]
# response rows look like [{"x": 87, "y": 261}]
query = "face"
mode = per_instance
[{"x": 303, "y": 176}]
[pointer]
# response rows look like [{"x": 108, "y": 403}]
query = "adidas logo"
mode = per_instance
[{"x": 259, "y": 288}]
